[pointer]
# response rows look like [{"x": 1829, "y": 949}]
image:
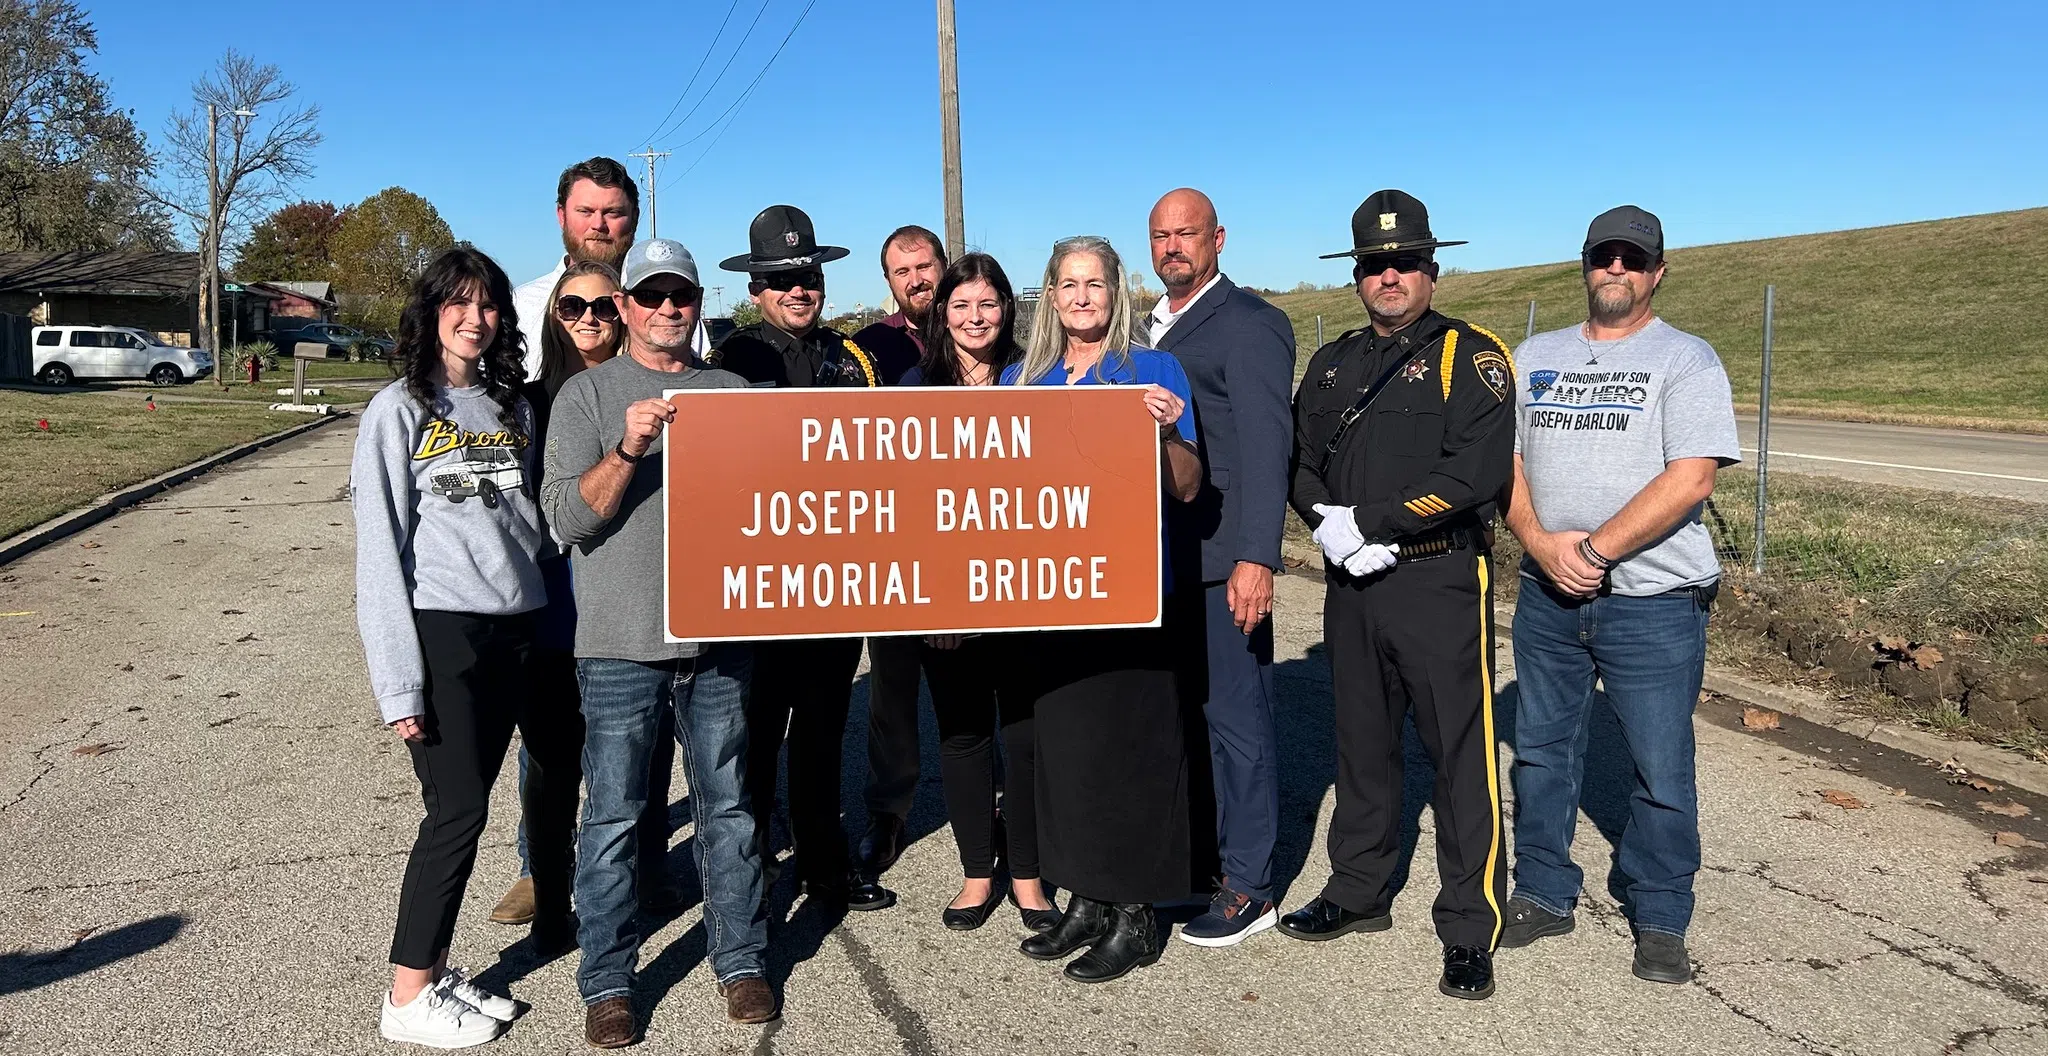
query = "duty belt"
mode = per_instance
[{"x": 1437, "y": 543}]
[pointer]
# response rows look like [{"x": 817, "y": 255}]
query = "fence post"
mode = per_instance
[
  {"x": 1763, "y": 428},
  {"x": 1319, "y": 331},
  {"x": 1530, "y": 330}
]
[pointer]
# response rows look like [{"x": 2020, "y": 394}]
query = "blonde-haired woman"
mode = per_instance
[{"x": 1112, "y": 782}]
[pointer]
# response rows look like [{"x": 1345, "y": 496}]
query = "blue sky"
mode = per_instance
[{"x": 1514, "y": 122}]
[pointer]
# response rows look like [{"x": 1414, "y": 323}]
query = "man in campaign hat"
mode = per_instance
[
  {"x": 1404, "y": 434},
  {"x": 802, "y": 688}
]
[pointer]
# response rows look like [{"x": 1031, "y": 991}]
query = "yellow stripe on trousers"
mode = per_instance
[{"x": 1492, "y": 755}]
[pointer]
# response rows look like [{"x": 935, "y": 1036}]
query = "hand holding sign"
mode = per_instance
[
  {"x": 644, "y": 422},
  {"x": 1165, "y": 408}
]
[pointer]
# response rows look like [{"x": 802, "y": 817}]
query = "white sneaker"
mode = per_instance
[
  {"x": 439, "y": 1020},
  {"x": 502, "y": 1009}
]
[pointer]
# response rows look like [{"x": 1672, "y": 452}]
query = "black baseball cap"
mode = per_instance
[{"x": 1632, "y": 224}]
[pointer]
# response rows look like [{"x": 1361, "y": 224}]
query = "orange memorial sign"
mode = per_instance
[{"x": 839, "y": 513}]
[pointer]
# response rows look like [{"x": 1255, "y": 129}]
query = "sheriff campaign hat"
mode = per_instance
[
  {"x": 1390, "y": 221},
  {"x": 782, "y": 240}
]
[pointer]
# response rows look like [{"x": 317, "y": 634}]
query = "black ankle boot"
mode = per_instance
[
  {"x": 1085, "y": 922},
  {"x": 1132, "y": 942}
]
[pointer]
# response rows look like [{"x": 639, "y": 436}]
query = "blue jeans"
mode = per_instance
[
  {"x": 1650, "y": 655},
  {"x": 623, "y": 701}
]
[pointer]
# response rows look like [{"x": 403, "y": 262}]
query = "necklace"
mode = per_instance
[{"x": 1593, "y": 357}]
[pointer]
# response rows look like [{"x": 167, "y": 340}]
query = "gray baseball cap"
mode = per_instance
[
  {"x": 658, "y": 256},
  {"x": 1632, "y": 224}
]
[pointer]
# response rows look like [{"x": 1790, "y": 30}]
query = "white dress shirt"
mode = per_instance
[{"x": 1164, "y": 317}]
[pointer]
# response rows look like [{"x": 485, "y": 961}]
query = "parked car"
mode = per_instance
[
  {"x": 343, "y": 342},
  {"x": 66, "y": 352}
]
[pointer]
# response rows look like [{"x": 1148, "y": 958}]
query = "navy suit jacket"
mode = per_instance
[{"x": 1238, "y": 352}]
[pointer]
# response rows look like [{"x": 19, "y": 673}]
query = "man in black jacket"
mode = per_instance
[
  {"x": 1404, "y": 435},
  {"x": 1238, "y": 352}
]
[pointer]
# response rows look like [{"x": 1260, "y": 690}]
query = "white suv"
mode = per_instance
[{"x": 66, "y": 352}]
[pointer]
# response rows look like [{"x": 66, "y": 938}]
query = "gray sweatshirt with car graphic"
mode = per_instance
[{"x": 446, "y": 520}]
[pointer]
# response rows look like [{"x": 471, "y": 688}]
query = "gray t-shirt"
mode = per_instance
[
  {"x": 616, "y": 562},
  {"x": 1596, "y": 421}
]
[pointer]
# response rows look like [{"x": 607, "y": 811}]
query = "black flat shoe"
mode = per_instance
[
  {"x": 1085, "y": 923},
  {"x": 1132, "y": 943},
  {"x": 1322, "y": 920},
  {"x": 1468, "y": 973},
  {"x": 1038, "y": 921},
  {"x": 973, "y": 917}
]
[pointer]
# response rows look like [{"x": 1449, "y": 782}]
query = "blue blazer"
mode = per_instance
[{"x": 1238, "y": 352}]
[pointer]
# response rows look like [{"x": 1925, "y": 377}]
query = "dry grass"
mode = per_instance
[
  {"x": 96, "y": 444},
  {"x": 1931, "y": 322}
]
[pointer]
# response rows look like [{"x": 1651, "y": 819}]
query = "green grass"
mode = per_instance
[
  {"x": 96, "y": 444},
  {"x": 1929, "y": 322}
]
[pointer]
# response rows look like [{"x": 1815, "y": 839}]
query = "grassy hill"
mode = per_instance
[{"x": 1940, "y": 322}]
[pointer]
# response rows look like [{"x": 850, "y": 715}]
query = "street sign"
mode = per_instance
[
  {"x": 849, "y": 512},
  {"x": 230, "y": 287}
]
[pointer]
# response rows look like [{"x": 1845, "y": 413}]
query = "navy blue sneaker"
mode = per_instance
[{"x": 1232, "y": 918}]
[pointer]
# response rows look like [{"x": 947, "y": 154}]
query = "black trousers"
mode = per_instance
[
  {"x": 800, "y": 694},
  {"x": 481, "y": 683},
  {"x": 968, "y": 696},
  {"x": 1420, "y": 638},
  {"x": 893, "y": 668}
]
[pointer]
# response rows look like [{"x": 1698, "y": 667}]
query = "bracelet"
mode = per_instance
[
  {"x": 1593, "y": 557},
  {"x": 619, "y": 449}
]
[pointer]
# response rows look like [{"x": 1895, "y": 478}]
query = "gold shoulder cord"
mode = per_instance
[
  {"x": 1502, "y": 345},
  {"x": 860, "y": 356},
  {"x": 1444, "y": 368}
]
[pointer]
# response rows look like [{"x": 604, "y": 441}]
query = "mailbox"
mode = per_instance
[{"x": 309, "y": 350}]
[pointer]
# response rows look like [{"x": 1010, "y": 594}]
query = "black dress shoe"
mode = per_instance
[
  {"x": 972, "y": 917},
  {"x": 1133, "y": 942},
  {"x": 1322, "y": 920},
  {"x": 883, "y": 843},
  {"x": 1085, "y": 923},
  {"x": 1468, "y": 973},
  {"x": 864, "y": 895}
]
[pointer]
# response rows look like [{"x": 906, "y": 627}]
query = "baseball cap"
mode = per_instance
[
  {"x": 658, "y": 256},
  {"x": 1632, "y": 224}
]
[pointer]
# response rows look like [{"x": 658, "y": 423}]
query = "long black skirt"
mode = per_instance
[{"x": 1112, "y": 765}]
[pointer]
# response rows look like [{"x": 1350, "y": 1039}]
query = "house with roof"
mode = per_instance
[{"x": 157, "y": 292}]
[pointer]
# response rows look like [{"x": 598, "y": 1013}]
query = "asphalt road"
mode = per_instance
[
  {"x": 2012, "y": 465},
  {"x": 202, "y": 829}
]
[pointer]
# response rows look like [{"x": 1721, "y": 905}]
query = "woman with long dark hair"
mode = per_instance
[
  {"x": 972, "y": 339},
  {"x": 448, "y": 537},
  {"x": 1112, "y": 779}
]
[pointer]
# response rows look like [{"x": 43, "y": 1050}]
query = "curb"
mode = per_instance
[
  {"x": 1980, "y": 759},
  {"x": 114, "y": 502}
]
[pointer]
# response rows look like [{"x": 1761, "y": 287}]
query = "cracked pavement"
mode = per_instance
[{"x": 220, "y": 876}]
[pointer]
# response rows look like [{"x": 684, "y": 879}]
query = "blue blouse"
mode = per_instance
[{"x": 1145, "y": 367}]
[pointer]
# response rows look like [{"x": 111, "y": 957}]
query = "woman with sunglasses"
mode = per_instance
[
  {"x": 973, "y": 338},
  {"x": 448, "y": 535},
  {"x": 1112, "y": 781}
]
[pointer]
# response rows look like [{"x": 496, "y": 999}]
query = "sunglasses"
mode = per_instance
[
  {"x": 1405, "y": 264},
  {"x": 569, "y": 308},
  {"x": 785, "y": 281},
  {"x": 1633, "y": 258},
  {"x": 652, "y": 299}
]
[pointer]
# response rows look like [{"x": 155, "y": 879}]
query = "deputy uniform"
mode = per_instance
[
  {"x": 801, "y": 687},
  {"x": 1414, "y": 430}
]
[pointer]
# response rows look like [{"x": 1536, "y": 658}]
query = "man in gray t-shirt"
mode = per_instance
[{"x": 1623, "y": 421}]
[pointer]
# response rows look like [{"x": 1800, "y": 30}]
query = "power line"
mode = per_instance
[
  {"x": 677, "y": 126},
  {"x": 733, "y": 111},
  {"x": 653, "y": 218},
  {"x": 685, "y": 93}
]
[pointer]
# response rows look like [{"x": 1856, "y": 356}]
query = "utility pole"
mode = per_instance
[
  {"x": 653, "y": 227},
  {"x": 949, "y": 130},
  {"x": 210, "y": 293}
]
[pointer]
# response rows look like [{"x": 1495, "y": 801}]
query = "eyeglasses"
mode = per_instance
[
  {"x": 784, "y": 281},
  {"x": 1632, "y": 257},
  {"x": 1405, "y": 264},
  {"x": 569, "y": 308},
  {"x": 652, "y": 298}
]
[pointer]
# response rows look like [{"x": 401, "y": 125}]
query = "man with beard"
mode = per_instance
[
  {"x": 1239, "y": 355},
  {"x": 598, "y": 208},
  {"x": 1403, "y": 437},
  {"x": 802, "y": 688},
  {"x": 912, "y": 261},
  {"x": 1624, "y": 422}
]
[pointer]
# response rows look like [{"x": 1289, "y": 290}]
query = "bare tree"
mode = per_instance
[{"x": 260, "y": 157}]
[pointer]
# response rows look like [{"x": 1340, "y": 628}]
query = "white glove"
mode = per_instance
[
  {"x": 1372, "y": 559},
  {"x": 1338, "y": 534}
]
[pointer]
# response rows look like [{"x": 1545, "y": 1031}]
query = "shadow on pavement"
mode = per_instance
[{"x": 27, "y": 971}]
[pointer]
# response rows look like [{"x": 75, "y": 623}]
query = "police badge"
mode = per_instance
[{"x": 1415, "y": 369}]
